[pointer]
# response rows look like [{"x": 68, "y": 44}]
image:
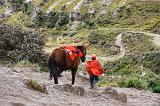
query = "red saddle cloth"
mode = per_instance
[{"x": 73, "y": 52}]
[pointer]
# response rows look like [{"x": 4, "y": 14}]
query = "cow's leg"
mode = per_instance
[
  {"x": 55, "y": 79},
  {"x": 73, "y": 72}
]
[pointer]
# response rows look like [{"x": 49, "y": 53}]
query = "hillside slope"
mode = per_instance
[{"x": 14, "y": 92}]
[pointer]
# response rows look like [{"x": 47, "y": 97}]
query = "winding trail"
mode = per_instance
[
  {"x": 122, "y": 52},
  {"x": 156, "y": 37},
  {"x": 119, "y": 42}
]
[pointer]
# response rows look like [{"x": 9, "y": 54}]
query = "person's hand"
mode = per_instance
[
  {"x": 103, "y": 75},
  {"x": 83, "y": 63}
]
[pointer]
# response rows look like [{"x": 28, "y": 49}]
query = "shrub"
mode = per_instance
[
  {"x": 63, "y": 20},
  {"x": 103, "y": 21},
  {"x": 52, "y": 19},
  {"x": 94, "y": 37},
  {"x": 134, "y": 82},
  {"x": 33, "y": 84},
  {"x": 89, "y": 21},
  {"x": 28, "y": 8},
  {"x": 154, "y": 84},
  {"x": 17, "y": 4},
  {"x": 152, "y": 61},
  {"x": 17, "y": 44},
  {"x": 156, "y": 89},
  {"x": 40, "y": 19}
]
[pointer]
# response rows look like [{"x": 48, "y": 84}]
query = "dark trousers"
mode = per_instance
[{"x": 93, "y": 79}]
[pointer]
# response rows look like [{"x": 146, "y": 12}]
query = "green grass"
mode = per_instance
[
  {"x": 72, "y": 5},
  {"x": 114, "y": 5},
  {"x": 2, "y": 9},
  {"x": 130, "y": 68},
  {"x": 105, "y": 39},
  {"x": 60, "y": 4},
  {"x": 139, "y": 43},
  {"x": 96, "y": 4},
  {"x": 18, "y": 18},
  {"x": 139, "y": 14},
  {"x": 83, "y": 9},
  {"x": 24, "y": 64},
  {"x": 34, "y": 85}
]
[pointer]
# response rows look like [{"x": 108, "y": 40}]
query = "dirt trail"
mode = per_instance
[
  {"x": 118, "y": 56},
  {"x": 13, "y": 91},
  {"x": 119, "y": 42},
  {"x": 156, "y": 37}
]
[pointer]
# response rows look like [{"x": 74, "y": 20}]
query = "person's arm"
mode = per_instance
[{"x": 100, "y": 67}]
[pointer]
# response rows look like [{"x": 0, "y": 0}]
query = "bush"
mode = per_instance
[
  {"x": 28, "y": 8},
  {"x": 154, "y": 85},
  {"x": 40, "y": 19},
  {"x": 89, "y": 21},
  {"x": 52, "y": 19},
  {"x": 133, "y": 82},
  {"x": 17, "y": 44},
  {"x": 103, "y": 21},
  {"x": 152, "y": 61},
  {"x": 94, "y": 37},
  {"x": 33, "y": 84},
  {"x": 63, "y": 20},
  {"x": 17, "y": 4},
  {"x": 156, "y": 89}
]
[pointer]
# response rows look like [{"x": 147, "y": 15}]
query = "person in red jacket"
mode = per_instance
[{"x": 94, "y": 70}]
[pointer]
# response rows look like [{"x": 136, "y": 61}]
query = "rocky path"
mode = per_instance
[
  {"x": 156, "y": 37},
  {"x": 14, "y": 92},
  {"x": 119, "y": 42}
]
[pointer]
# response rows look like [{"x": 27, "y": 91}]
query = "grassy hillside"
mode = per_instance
[{"x": 139, "y": 14}]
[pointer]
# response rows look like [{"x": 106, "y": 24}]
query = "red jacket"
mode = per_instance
[{"x": 93, "y": 67}]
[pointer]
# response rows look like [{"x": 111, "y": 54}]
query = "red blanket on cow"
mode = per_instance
[
  {"x": 93, "y": 67},
  {"x": 73, "y": 51}
]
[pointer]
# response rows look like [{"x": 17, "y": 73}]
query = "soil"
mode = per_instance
[{"x": 14, "y": 91}]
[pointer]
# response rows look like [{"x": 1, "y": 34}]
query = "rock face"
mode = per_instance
[
  {"x": 115, "y": 94},
  {"x": 76, "y": 90}
]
